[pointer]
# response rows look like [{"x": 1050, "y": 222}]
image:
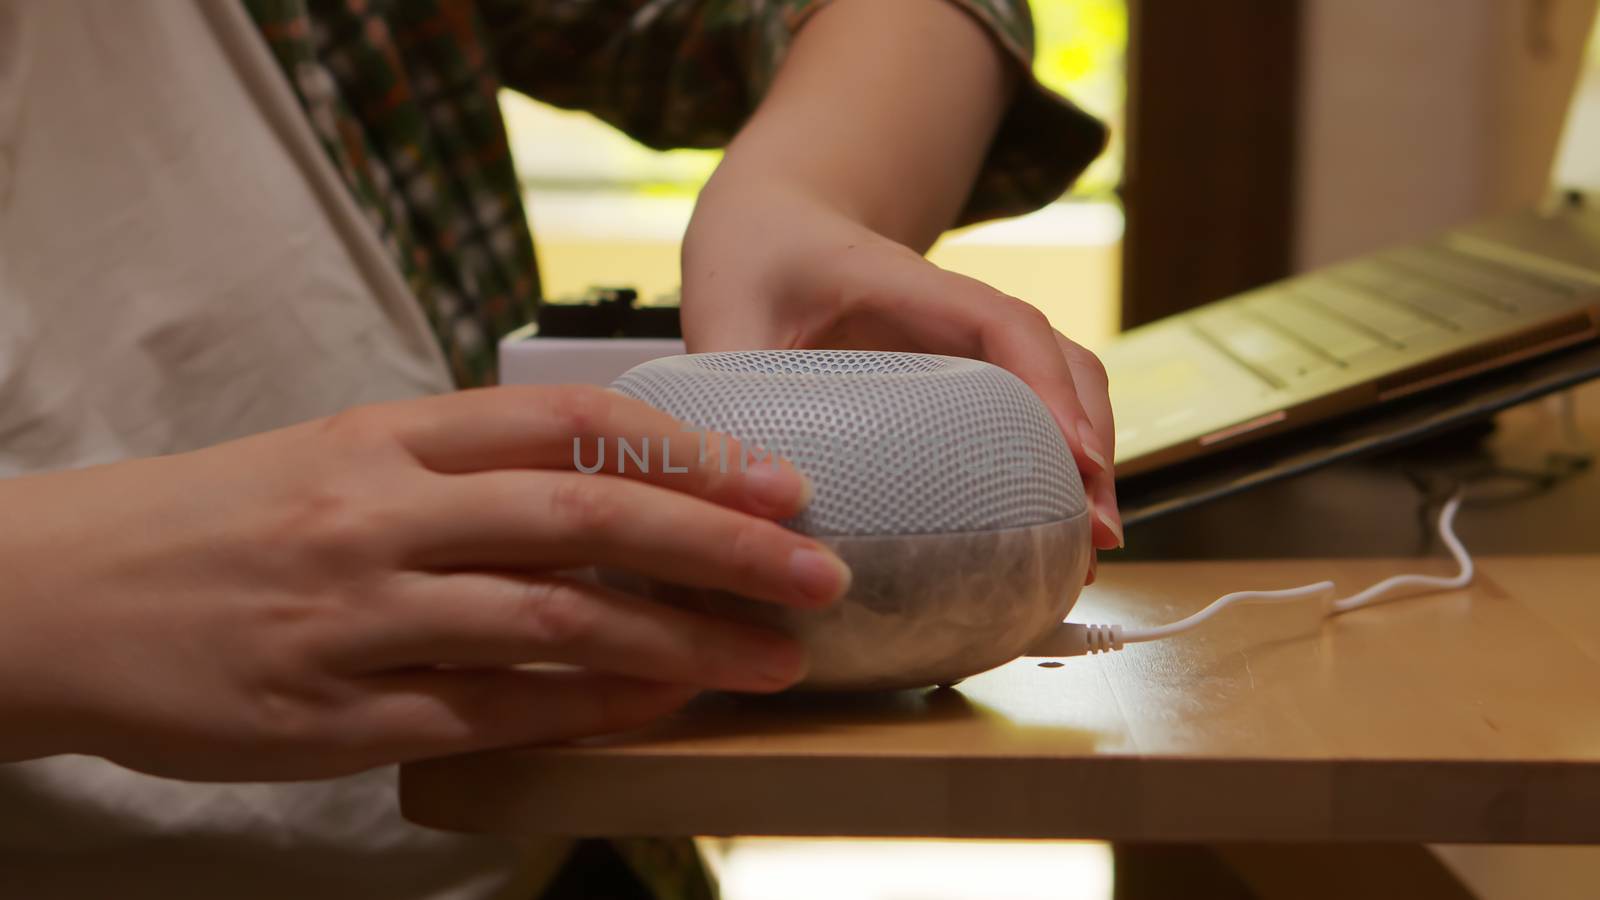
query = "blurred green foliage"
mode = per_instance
[{"x": 1080, "y": 52}]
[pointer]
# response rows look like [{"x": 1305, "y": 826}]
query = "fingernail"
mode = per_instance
[
  {"x": 1091, "y": 446},
  {"x": 821, "y": 577},
  {"x": 777, "y": 489},
  {"x": 1110, "y": 522}
]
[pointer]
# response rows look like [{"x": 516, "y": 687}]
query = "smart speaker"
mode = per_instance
[{"x": 943, "y": 482}]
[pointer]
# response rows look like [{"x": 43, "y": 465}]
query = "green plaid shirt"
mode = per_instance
[{"x": 403, "y": 96}]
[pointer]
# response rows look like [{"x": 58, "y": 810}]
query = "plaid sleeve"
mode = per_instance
[
  {"x": 687, "y": 73},
  {"x": 1044, "y": 141}
]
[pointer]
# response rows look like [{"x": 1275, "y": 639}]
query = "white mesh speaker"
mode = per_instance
[{"x": 943, "y": 482}]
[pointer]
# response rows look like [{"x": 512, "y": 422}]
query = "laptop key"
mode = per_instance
[
  {"x": 1451, "y": 307},
  {"x": 1315, "y": 328},
  {"x": 1511, "y": 290},
  {"x": 1260, "y": 347},
  {"x": 1396, "y": 323}
]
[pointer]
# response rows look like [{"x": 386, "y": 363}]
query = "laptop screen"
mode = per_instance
[{"x": 1578, "y": 159}]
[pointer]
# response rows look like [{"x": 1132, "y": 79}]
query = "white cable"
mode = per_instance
[
  {"x": 1075, "y": 639},
  {"x": 1426, "y": 583},
  {"x": 1139, "y": 635}
]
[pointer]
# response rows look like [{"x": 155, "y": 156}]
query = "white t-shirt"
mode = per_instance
[{"x": 180, "y": 265}]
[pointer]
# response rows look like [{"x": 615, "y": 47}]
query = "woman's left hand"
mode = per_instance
[{"x": 766, "y": 265}]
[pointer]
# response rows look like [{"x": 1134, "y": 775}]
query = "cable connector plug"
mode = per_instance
[{"x": 1078, "y": 639}]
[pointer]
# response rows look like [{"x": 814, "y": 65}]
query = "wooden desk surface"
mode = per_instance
[{"x": 1462, "y": 717}]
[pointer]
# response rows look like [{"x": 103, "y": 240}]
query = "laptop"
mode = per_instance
[{"x": 1365, "y": 335}]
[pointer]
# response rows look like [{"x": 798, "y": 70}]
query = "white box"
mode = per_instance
[{"x": 526, "y": 358}]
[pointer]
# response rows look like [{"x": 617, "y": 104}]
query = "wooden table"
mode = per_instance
[{"x": 1471, "y": 716}]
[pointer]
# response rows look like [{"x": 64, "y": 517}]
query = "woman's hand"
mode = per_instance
[
  {"x": 363, "y": 589},
  {"x": 766, "y": 265},
  {"x": 861, "y": 154}
]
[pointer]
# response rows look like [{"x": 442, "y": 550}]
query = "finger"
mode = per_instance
[
  {"x": 504, "y": 620},
  {"x": 420, "y": 714},
  {"x": 909, "y": 302},
  {"x": 558, "y": 520},
  {"x": 1093, "y": 388},
  {"x": 1019, "y": 349},
  {"x": 939, "y": 311},
  {"x": 1106, "y": 530},
  {"x": 573, "y": 427},
  {"x": 1020, "y": 339},
  {"x": 1089, "y": 375},
  {"x": 1017, "y": 337},
  {"x": 931, "y": 309}
]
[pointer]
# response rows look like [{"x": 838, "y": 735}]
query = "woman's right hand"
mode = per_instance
[{"x": 365, "y": 589}]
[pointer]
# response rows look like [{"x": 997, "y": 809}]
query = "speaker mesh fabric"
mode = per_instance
[{"x": 894, "y": 443}]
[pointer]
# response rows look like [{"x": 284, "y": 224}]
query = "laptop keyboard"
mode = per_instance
[{"x": 1342, "y": 316}]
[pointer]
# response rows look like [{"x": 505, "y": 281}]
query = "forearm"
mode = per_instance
[
  {"x": 36, "y": 656},
  {"x": 883, "y": 110},
  {"x": 879, "y": 121}
]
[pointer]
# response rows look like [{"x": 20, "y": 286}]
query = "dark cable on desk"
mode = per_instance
[{"x": 1476, "y": 482}]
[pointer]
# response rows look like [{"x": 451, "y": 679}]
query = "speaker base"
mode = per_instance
[{"x": 923, "y": 609}]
